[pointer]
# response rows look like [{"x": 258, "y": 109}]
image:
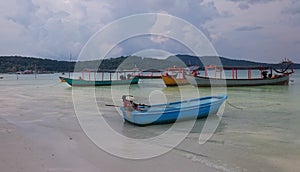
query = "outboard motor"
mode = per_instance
[
  {"x": 130, "y": 105},
  {"x": 128, "y": 102}
]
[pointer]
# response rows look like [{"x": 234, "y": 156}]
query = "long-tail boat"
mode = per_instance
[
  {"x": 150, "y": 74},
  {"x": 278, "y": 75},
  {"x": 174, "y": 77},
  {"x": 107, "y": 77}
]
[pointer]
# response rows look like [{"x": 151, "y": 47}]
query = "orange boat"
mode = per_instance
[{"x": 174, "y": 77}]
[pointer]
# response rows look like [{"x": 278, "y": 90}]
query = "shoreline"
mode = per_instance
[{"x": 37, "y": 145}]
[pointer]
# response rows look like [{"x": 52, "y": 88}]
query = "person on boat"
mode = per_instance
[
  {"x": 129, "y": 76},
  {"x": 264, "y": 74},
  {"x": 194, "y": 73}
]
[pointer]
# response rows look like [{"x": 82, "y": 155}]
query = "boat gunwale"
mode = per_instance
[
  {"x": 93, "y": 82},
  {"x": 220, "y": 98},
  {"x": 244, "y": 79},
  {"x": 200, "y": 81}
]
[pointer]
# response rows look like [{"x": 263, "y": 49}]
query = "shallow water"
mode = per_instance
[{"x": 259, "y": 130}]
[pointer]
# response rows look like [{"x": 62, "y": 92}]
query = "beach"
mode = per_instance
[{"x": 40, "y": 131}]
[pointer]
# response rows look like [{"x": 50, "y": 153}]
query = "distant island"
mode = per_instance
[{"x": 14, "y": 64}]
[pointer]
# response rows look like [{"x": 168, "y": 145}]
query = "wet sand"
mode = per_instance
[
  {"x": 62, "y": 146},
  {"x": 40, "y": 133}
]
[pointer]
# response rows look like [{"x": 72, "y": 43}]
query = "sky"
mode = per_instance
[{"x": 257, "y": 30}]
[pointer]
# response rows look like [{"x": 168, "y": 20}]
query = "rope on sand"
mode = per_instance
[
  {"x": 234, "y": 106},
  {"x": 242, "y": 108}
]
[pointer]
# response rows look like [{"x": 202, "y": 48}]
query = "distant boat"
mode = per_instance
[
  {"x": 207, "y": 82},
  {"x": 123, "y": 80},
  {"x": 1, "y": 77},
  {"x": 174, "y": 77},
  {"x": 140, "y": 114},
  {"x": 150, "y": 74},
  {"x": 280, "y": 78},
  {"x": 81, "y": 82}
]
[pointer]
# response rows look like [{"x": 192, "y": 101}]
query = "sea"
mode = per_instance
[{"x": 258, "y": 129}]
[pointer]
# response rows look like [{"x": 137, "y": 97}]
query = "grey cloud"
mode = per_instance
[
  {"x": 297, "y": 42},
  {"x": 260, "y": 1},
  {"x": 294, "y": 9},
  {"x": 193, "y": 11},
  {"x": 244, "y": 6},
  {"x": 54, "y": 29},
  {"x": 248, "y": 28},
  {"x": 57, "y": 30},
  {"x": 253, "y": 1},
  {"x": 25, "y": 11}
]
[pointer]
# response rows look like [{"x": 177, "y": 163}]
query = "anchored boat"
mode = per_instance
[
  {"x": 107, "y": 77},
  {"x": 141, "y": 114},
  {"x": 174, "y": 77},
  {"x": 150, "y": 74},
  {"x": 278, "y": 75}
]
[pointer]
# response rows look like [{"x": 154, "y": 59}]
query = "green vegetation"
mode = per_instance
[{"x": 13, "y": 64}]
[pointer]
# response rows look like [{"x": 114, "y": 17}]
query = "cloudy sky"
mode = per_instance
[{"x": 259, "y": 30}]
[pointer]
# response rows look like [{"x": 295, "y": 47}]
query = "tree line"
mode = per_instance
[{"x": 13, "y": 64}]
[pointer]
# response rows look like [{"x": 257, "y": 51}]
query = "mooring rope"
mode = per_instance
[
  {"x": 234, "y": 106},
  {"x": 242, "y": 108},
  {"x": 51, "y": 85}
]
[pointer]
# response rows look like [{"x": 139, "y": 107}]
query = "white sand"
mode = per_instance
[{"x": 59, "y": 145}]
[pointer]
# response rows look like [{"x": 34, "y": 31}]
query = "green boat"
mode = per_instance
[
  {"x": 120, "y": 80},
  {"x": 81, "y": 82}
]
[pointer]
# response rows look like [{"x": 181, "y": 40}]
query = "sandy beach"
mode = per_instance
[
  {"x": 57, "y": 144},
  {"x": 40, "y": 132}
]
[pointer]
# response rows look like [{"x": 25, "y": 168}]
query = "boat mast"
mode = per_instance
[
  {"x": 34, "y": 71},
  {"x": 70, "y": 57}
]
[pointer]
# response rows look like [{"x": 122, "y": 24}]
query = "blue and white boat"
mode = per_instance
[{"x": 140, "y": 114}]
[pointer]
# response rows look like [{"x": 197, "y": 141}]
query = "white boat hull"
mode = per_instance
[{"x": 208, "y": 82}]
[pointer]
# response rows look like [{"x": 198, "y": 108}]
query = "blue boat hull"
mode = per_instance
[{"x": 176, "y": 111}]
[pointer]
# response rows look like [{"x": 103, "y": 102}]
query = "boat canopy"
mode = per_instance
[
  {"x": 120, "y": 74},
  {"x": 283, "y": 68}
]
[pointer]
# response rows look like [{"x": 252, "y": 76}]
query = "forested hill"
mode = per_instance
[{"x": 12, "y": 64}]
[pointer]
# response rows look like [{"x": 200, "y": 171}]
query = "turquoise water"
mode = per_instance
[{"x": 259, "y": 130}]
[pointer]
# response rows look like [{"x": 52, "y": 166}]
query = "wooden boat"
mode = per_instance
[
  {"x": 150, "y": 74},
  {"x": 81, "y": 82},
  {"x": 174, "y": 77},
  {"x": 207, "y": 82},
  {"x": 140, "y": 114},
  {"x": 280, "y": 78},
  {"x": 120, "y": 80}
]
